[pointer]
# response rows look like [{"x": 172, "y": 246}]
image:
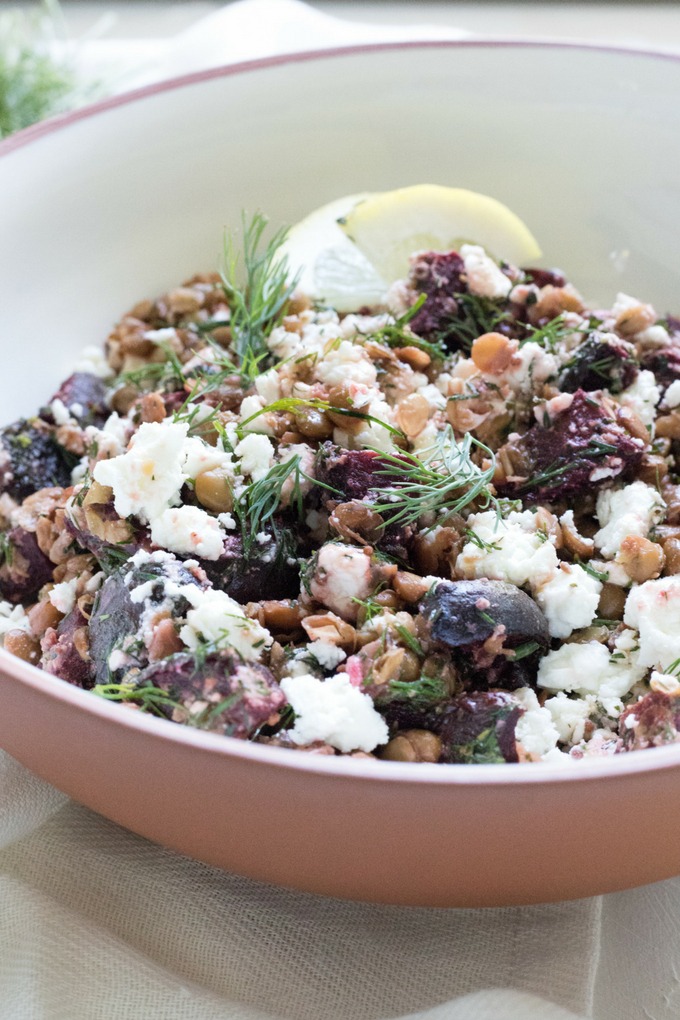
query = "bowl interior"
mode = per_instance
[{"x": 127, "y": 200}]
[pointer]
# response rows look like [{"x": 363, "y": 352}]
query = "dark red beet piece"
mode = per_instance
[
  {"x": 650, "y": 722},
  {"x": 583, "y": 448},
  {"x": 240, "y": 696},
  {"x": 600, "y": 363},
  {"x": 351, "y": 474},
  {"x": 66, "y": 651},
  {"x": 30, "y": 459},
  {"x": 25, "y": 569},
  {"x": 478, "y": 728},
  {"x": 439, "y": 276},
  {"x": 664, "y": 363},
  {"x": 463, "y": 613},
  {"x": 546, "y": 277},
  {"x": 84, "y": 396},
  {"x": 266, "y": 570}
]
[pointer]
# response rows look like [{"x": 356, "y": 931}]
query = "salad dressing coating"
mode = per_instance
[{"x": 444, "y": 528}]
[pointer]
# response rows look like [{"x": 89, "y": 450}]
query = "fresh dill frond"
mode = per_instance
[
  {"x": 34, "y": 82},
  {"x": 157, "y": 375},
  {"x": 525, "y": 650},
  {"x": 476, "y": 315},
  {"x": 444, "y": 478},
  {"x": 399, "y": 333},
  {"x": 549, "y": 336},
  {"x": 421, "y": 693},
  {"x": 258, "y": 286},
  {"x": 148, "y": 698},
  {"x": 261, "y": 499}
]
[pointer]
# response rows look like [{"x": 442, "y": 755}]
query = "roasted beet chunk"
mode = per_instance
[
  {"x": 30, "y": 460},
  {"x": 478, "y": 728},
  {"x": 350, "y": 474},
  {"x": 66, "y": 651},
  {"x": 604, "y": 361},
  {"x": 578, "y": 450},
  {"x": 654, "y": 720},
  {"x": 267, "y": 569},
  {"x": 25, "y": 569},
  {"x": 127, "y": 596},
  {"x": 218, "y": 692},
  {"x": 439, "y": 277},
  {"x": 546, "y": 277},
  {"x": 665, "y": 364},
  {"x": 462, "y": 613},
  {"x": 84, "y": 397}
]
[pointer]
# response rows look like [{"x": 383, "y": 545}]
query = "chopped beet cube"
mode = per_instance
[
  {"x": 579, "y": 450},
  {"x": 479, "y": 728},
  {"x": 602, "y": 362},
  {"x": 30, "y": 459},
  {"x": 84, "y": 397},
  {"x": 25, "y": 568}
]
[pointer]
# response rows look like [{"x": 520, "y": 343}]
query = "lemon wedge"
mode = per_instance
[
  {"x": 349, "y": 251},
  {"x": 387, "y": 228},
  {"x": 331, "y": 267}
]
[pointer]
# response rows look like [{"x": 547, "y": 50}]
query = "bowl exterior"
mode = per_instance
[{"x": 123, "y": 201}]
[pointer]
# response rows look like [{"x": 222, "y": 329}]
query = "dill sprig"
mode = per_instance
[
  {"x": 262, "y": 499},
  {"x": 166, "y": 375},
  {"x": 549, "y": 478},
  {"x": 421, "y": 693},
  {"x": 34, "y": 83},
  {"x": 444, "y": 478},
  {"x": 257, "y": 304},
  {"x": 476, "y": 315},
  {"x": 148, "y": 698},
  {"x": 400, "y": 334}
]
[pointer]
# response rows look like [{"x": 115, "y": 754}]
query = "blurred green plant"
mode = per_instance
[{"x": 37, "y": 74}]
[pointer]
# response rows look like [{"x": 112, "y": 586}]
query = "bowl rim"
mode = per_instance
[
  {"x": 354, "y": 769},
  {"x": 34, "y": 132}
]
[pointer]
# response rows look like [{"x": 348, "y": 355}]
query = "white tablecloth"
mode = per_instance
[{"x": 98, "y": 924}]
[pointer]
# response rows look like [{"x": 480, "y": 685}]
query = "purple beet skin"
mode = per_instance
[
  {"x": 439, "y": 276},
  {"x": 219, "y": 692},
  {"x": 30, "y": 459},
  {"x": 582, "y": 448},
  {"x": 478, "y": 728},
  {"x": 602, "y": 362},
  {"x": 264, "y": 570},
  {"x": 25, "y": 568},
  {"x": 84, "y": 397},
  {"x": 66, "y": 652}
]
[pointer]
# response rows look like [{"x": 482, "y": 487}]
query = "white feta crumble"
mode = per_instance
[
  {"x": 63, "y": 596},
  {"x": 251, "y": 412},
  {"x": 167, "y": 335},
  {"x": 257, "y": 455},
  {"x": 653, "y": 608},
  {"x": 60, "y": 413},
  {"x": 589, "y": 668},
  {"x": 12, "y": 618},
  {"x": 333, "y": 711},
  {"x": 148, "y": 477},
  {"x": 268, "y": 386},
  {"x": 530, "y": 367},
  {"x": 483, "y": 275},
  {"x": 642, "y": 397},
  {"x": 93, "y": 360},
  {"x": 218, "y": 620},
  {"x": 569, "y": 599},
  {"x": 343, "y": 574},
  {"x": 535, "y": 729},
  {"x": 507, "y": 550},
  {"x": 326, "y": 653},
  {"x": 188, "y": 529},
  {"x": 347, "y": 362},
  {"x": 632, "y": 510},
  {"x": 672, "y": 396},
  {"x": 570, "y": 716}
]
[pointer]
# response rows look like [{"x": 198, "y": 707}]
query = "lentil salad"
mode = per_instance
[{"x": 445, "y": 528}]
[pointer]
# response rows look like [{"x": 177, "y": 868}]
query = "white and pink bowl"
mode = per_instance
[{"x": 126, "y": 198}]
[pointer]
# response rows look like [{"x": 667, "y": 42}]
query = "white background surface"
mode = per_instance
[{"x": 95, "y": 923}]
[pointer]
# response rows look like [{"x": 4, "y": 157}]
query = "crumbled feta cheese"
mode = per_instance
[
  {"x": 483, "y": 275},
  {"x": 642, "y": 397},
  {"x": 250, "y": 411},
  {"x": 92, "y": 360},
  {"x": 530, "y": 367},
  {"x": 632, "y": 510},
  {"x": 12, "y": 618},
  {"x": 326, "y": 654},
  {"x": 268, "y": 386},
  {"x": 343, "y": 573},
  {"x": 569, "y": 599},
  {"x": 148, "y": 477},
  {"x": 654, "y": 337},
  {"x": 570, "y": 716},
  {"x": 665, "y": 683},
  {"x": 335, "y": 712},
  {"x": 374, "y": 436},
  {"x": 257, "y": 455},
  {"x": 653, "y": 608},
  {"x": 672, "y": 396},
  {"x": 507, "y": 550},
  {"x": 347, "y": 362},
  {"x": 217, "y": 619},
  {"x": 60, "y": 413},
  {"x": 167, "y": 335},
  {"x": 535, "y": 729},
  {"x": 63, "y": 596},
  {"x": 589, "y": 668},
  {"x": 188, "y": 529},
  {"x": 199, "y": 457}
]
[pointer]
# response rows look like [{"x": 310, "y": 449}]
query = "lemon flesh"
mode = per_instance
[
  {"x": 389, "y": 227},
  {"x": 349, "y": 251},
  {"x": 332, "y": 270}
]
